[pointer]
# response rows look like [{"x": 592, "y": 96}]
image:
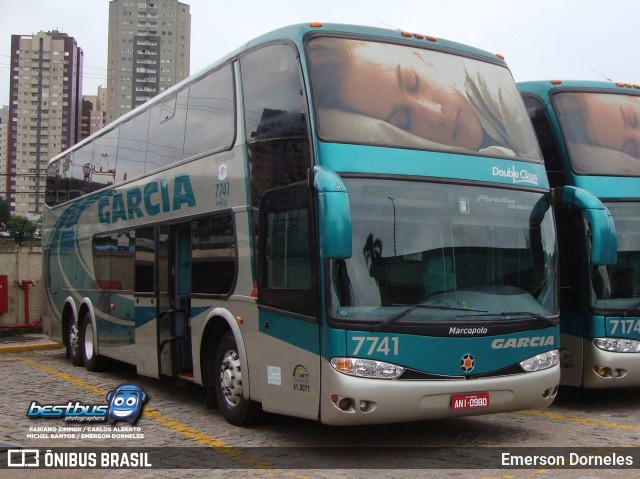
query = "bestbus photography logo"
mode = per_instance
[{"x": 124, "y": 403}]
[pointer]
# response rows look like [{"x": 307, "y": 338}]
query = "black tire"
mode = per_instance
[
  {"x": 73, "y": 345},
  {"x": 228, "y": 384},
  {"x": 90, "y": 358}
]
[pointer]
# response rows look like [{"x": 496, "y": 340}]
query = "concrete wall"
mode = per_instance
[{"x": 21, "y": 264}]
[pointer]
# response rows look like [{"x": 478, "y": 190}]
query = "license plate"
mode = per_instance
[{"x": 469, "y": 401}]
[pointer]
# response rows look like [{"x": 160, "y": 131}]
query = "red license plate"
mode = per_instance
[{"x": 469, "y": 401}]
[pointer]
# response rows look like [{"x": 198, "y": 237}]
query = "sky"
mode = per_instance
[{"x": 541, "y": 39}]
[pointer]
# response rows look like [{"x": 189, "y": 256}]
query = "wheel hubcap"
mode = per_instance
[
  {"x": 88, "y": 341},
  {"x": 74, "y": 340},
  {"x": 231, "y": 378}
]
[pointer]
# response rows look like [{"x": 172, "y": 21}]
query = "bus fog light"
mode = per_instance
[
  {"x": 367, "y": 368},
  {"x": 617, "y": 345},
  {"x": 541, "y": 361}
]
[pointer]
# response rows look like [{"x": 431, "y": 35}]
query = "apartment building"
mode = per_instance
[
  {"x": 94, "y": 115},
  {"x": 149, "y": 50},
  {"x": 4, "y": 131},
  {"x": 44, "y": 112}
]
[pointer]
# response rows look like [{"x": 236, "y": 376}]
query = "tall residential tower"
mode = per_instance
[
  {"x": 44, "y": 115},
  {"x": 149, "y": 49}
]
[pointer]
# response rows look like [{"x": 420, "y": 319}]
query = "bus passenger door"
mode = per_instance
[
  {"x": 174, "y": 303},
  {"x": 574, "y": 303},
  {"x": 287, "y": 303}
]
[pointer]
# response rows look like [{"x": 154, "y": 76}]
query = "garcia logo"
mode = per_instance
[
  {"x": 124, "y": 404},
  {"x": 521, "y": 176},
  {"x": 152, "y": 199},
  {"x": 536, "y": 341}
]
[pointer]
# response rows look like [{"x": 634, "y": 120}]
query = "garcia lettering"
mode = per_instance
[
  {"x": 534, "y": 342},
  {"x": 150, "y": 200}
]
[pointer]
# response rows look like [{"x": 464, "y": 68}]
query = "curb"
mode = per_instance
[{"x": 21, "y": 348}]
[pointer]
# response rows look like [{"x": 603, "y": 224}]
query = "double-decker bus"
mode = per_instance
[
  {"x": 590, "y": 139},
  {"x": 339, "y": 223}
]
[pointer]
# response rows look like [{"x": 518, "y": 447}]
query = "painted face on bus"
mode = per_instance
[
  {"x": 613, "y": 121},
  {"x": 404, "y": 89}
]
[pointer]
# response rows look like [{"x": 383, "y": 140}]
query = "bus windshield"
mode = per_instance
[
  {"x": 600, "y": 130},
  {"x": 394, "y": 95},
  {"x": 456, "y": 247},
  {"x": 618, "y": 286}
]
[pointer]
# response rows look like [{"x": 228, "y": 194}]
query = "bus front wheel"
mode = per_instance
[{"x": 235, "y": 408}]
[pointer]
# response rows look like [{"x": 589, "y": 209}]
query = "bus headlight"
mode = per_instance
[
  {"x": 617, "y": 345},
  {"x": 541, "y": 361},
  {"x": 367, "y": 368}
]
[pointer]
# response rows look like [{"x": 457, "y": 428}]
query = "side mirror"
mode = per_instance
[
  {"x": 604, "y": 245},
  {"x": 334, "y": 214}
]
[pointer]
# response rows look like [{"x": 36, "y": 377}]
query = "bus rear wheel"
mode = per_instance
[
  {"x": 92, "y": 361},
  {"x": 73, "y": 345},
  {"x": 235, "y": 408}
]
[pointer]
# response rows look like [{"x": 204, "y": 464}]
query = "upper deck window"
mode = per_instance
[
  {"x": 402, "y": 96},
  {"x": 601, "y": 131}
]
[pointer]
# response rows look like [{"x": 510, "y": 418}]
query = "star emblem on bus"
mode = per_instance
[{"x": 467, "y": 363}]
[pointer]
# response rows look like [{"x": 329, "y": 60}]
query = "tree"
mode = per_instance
[
  {"x": 5, "y": 214},
  {"x": 21, "y": 229}
]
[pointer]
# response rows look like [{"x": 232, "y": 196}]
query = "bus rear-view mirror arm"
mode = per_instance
[
  {"x": 604, "y": 246},
  {"x": 334, "y": 214}
]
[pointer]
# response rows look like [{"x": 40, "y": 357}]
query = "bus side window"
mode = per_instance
[
  {"x": 53, "y": 194},
  {"x": 114, "y": 261},
  {"x": 546, "y": 139},
  {"x": 166, "y": 132},
  {"x": 82, "y": 159},
  {"x": 287, "y": 273},
  {"x": 210, "y": 113},
  {"x": 275, "y": 119},
  {"x": 103, "y": 169},
  {"x": 72, "y": 183},
  {"x": 132, "y": 147},
  {"x": 214, "y": 254},
  {"x": 145, "y": 253}
]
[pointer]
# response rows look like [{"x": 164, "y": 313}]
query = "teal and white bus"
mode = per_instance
[
  {"x": 338, "y": 223},
  {"x": 590, "y": 139}
]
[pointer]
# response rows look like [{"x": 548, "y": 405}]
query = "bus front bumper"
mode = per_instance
[
  {"x": 605, "y": 369},
  {"x": 348, "y": 400}
]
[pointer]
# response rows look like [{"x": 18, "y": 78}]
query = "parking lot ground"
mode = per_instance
[{"x": 177, "y": 427}]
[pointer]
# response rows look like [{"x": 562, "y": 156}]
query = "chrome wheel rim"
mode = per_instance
[
  {"x": 74, "y": 339},
  {"x": 88, "y": 341},
  {"x": 231, "y": 378}
]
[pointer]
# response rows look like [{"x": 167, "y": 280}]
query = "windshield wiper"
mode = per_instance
[
  {"x": 537, "y": 316},
  {"x": 402, "y": 314}
]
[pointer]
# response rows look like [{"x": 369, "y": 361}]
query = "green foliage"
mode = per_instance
[
  {"x": 22, "y": 229},
  {"x": 5, "y": 214}
]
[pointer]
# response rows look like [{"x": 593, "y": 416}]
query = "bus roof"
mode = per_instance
[
  {"x": 610, "y": 185},
  {"x": 296, "y": 34},
  {"x": 544, "y": 88}
]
